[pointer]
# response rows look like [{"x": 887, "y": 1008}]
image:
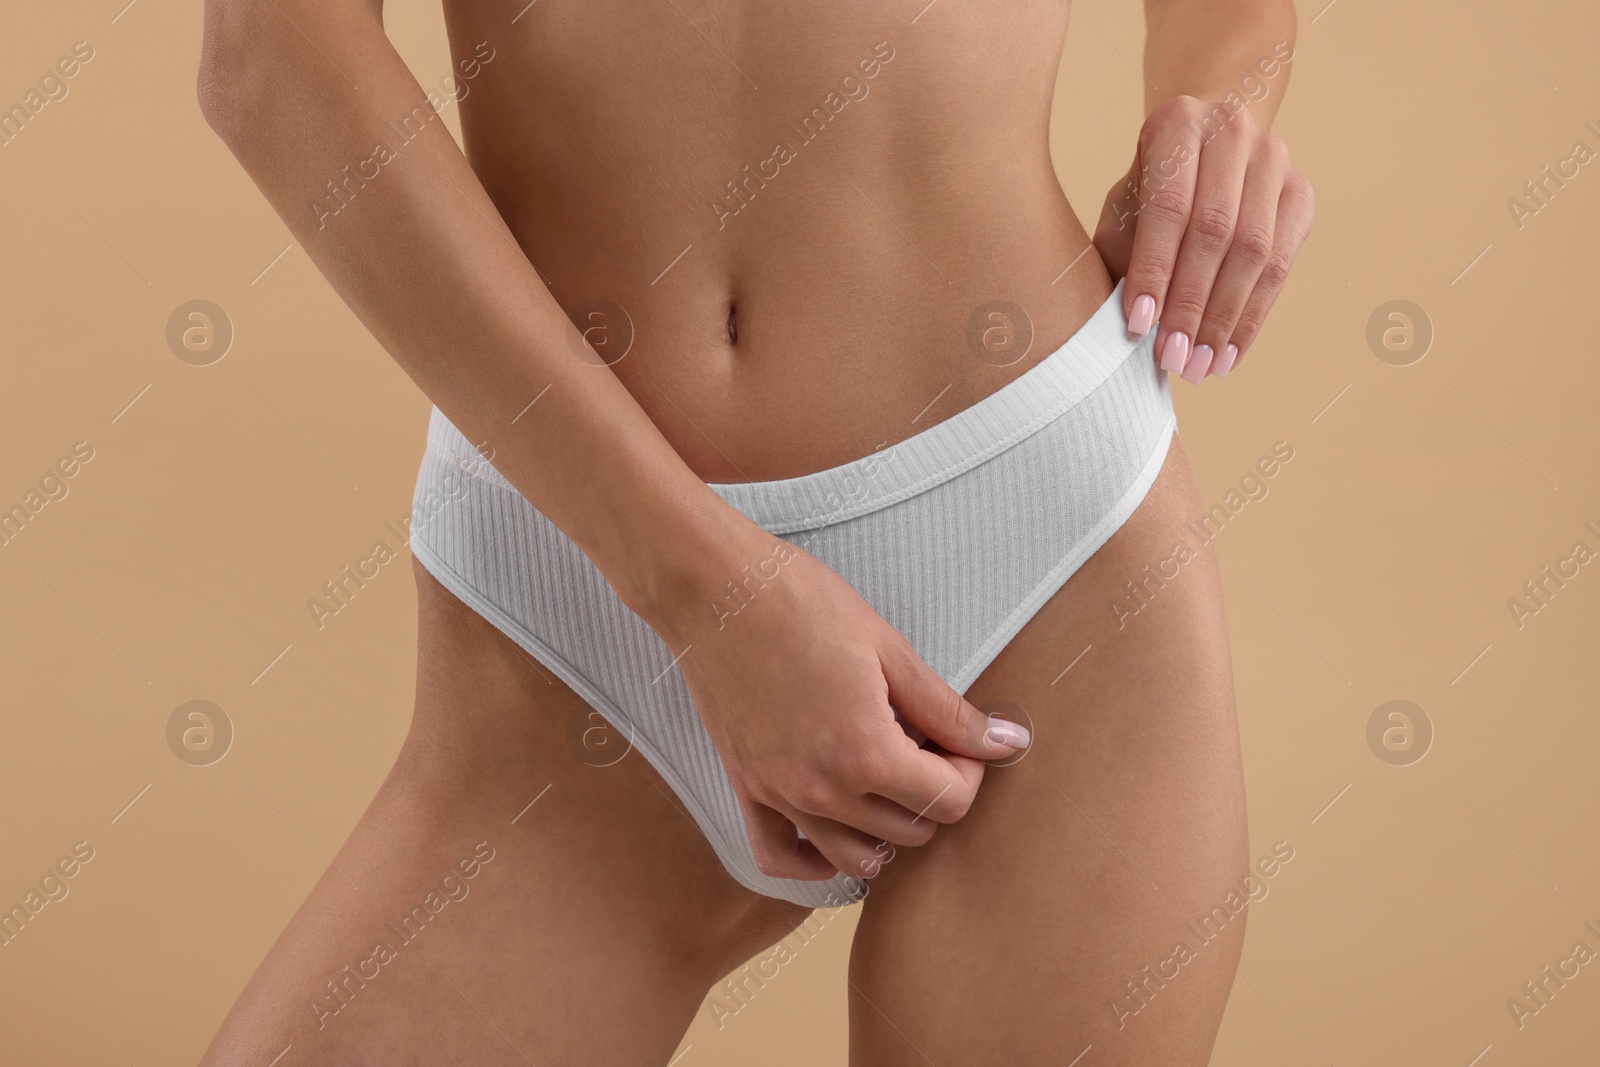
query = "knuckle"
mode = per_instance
[
  {"x": 1186, "y": 107},
  {"x": 1236, "y": 129},
  {"x": 954, "y": 804},
  {"x": 958, "y": 802},
  {"x": 1215, "y": 122},
  {"x": 1152, "y": 268},
  {"x": 832, "y": 748},
  {"x": 1183, "y": 308},
  {"x": 1163, "y": 114},
  {"x": 1215, "y": 326},
  {"x": 1276, "y": 269},
  {"x": 1212, "y": 222},
  {"x": 1245, "y": 330},
  {"x": 811, "y": 795},
  {"x": 1298, "y": 192},
  {"x": 1252, "y": 245},
  {"x": 1169, "y": 204}
]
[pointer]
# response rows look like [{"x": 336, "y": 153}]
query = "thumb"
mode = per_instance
[
  {"x": 1113, "y": 236},
  {"x": 930, "y": 706}
]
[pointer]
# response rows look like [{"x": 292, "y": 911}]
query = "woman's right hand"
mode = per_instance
[
  {"x": 797, "y": 688},
  {"x": 798, "y": 681}
]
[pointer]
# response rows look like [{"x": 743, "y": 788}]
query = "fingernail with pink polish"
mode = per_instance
[
  {"x": 1144, "y": 314},
  {"x": 1006, "y": 733},
  {"x": 1225, "y": 361},
  {"x": 1199, "y": 363},
  {"x": 1175, "y": 352}
]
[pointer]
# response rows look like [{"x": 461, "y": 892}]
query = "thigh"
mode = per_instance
[
  {"x": 509, "y": 896},
  {"x": 1050, "y": 919}
]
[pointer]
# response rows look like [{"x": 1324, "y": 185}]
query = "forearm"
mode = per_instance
[
  {"x": 1210, "y": 49},
  {"x": 416, "y": 248}
]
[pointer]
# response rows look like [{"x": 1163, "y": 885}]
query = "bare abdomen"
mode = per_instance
[{"x": 794, "y": 242}]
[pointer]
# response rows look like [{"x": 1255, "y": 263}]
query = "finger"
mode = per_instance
[
  {"x": 1296, "y": 206},
  {"x": 911, "y": 730},
  {"x": 848, "y": 849},
  {"x": 917, "y": 780},
  {"x": 1207, "y": 236},
  {"x": 883, "y": 820},
  {"x": 923, "y": 699},
  {"x": 779, "y": 850},
  {"x": 1169, "y": 148},
  {"x": 1247, "y": 254},
  {"x": 934, "y": 787}
]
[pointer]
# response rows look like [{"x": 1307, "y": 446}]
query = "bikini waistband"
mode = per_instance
[{"x": 999, "y": 421}]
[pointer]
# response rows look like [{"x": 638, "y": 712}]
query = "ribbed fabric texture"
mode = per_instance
[{"x": 956, "y": 536}]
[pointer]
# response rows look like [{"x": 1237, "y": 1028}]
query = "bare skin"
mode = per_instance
[
  {"x": 1079, "y": 865},
  {"x": 1004, "y": 940},
  {"x": 813, "y": 317}
]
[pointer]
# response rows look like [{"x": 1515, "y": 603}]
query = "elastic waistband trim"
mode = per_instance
[{"x": 999, "y": 421}]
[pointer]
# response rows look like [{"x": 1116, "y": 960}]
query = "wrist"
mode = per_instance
[{"x": 678, "y": 572}]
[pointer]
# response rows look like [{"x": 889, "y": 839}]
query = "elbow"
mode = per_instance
[
  {"x": 223, "y": 83},
  {"x": 214, "y": 102}
]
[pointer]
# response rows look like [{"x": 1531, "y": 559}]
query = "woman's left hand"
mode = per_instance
[{"x": 1204, "y": 229}]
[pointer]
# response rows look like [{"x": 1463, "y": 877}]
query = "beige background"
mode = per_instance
[{"x": 1379, "y": 566}]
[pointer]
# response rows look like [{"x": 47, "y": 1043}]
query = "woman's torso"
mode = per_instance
[{"x": 891, "y": 187}]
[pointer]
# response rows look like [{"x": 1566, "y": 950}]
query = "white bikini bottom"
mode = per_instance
[{"x": 956, "y": 536}]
